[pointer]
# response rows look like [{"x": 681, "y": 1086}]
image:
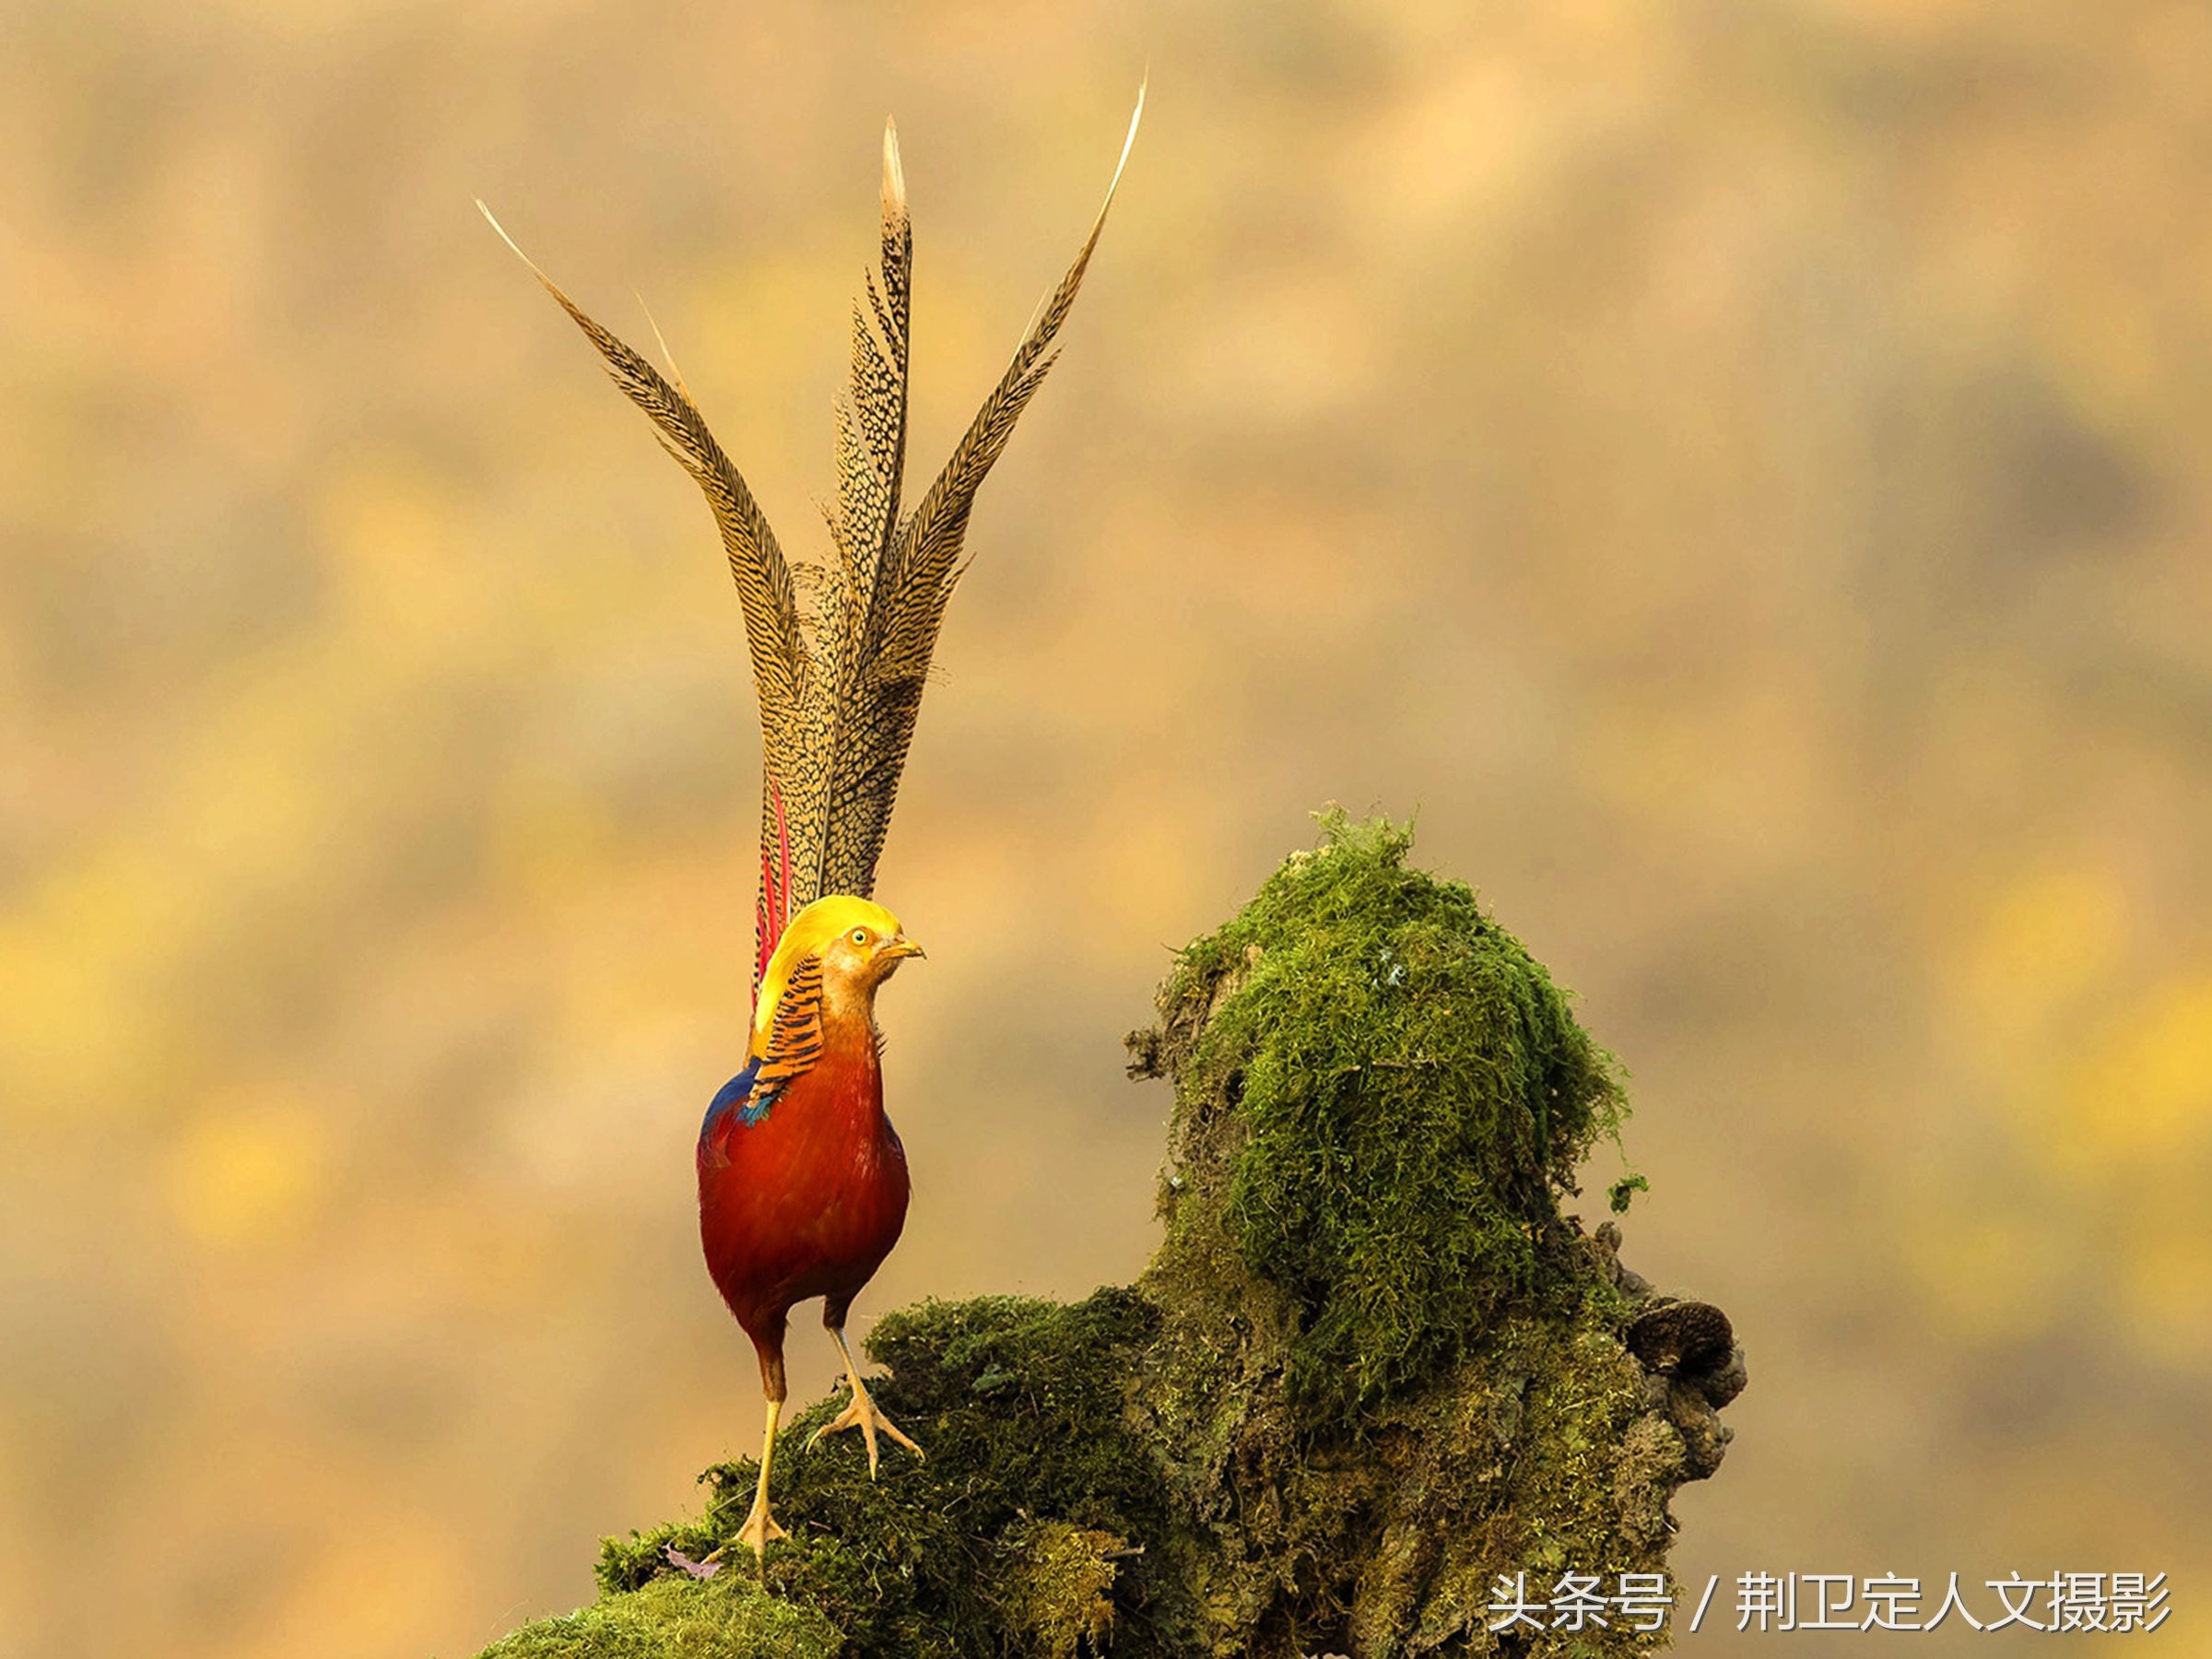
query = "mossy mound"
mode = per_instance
[
  {"x": 1371, "y": 1368},
  {"x": 1006, "y": 1538},
  {"x": 1397, "y": 1092}
]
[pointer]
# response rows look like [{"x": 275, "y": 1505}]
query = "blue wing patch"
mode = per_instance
[{"x": 738, "y": 1095}]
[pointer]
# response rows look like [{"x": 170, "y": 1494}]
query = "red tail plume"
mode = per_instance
[{"x": 772, "y": 912}]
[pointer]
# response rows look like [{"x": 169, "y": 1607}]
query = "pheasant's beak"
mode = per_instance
[{"x": 899, "y": 947}]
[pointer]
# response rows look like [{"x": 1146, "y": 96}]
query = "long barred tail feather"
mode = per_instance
[
  {"x": 841, "y": 685},
  {"x": 922, "y": 567},
  {"x": 757, "y": 563}
]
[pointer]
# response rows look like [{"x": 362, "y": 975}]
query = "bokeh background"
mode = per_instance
[{"x": 1736, "y": 468}]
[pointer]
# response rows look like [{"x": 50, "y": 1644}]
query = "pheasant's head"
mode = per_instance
[
  {"x": 860, "y": 945},
  {"x": 864, "y": 945}
]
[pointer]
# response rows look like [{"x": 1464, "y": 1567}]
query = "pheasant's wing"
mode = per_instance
[
  {"x": 732, "y": 1098},
  {"x": 921, "y": 566},
  {"x": 788, "y": 1049},
  {"x": 764, "y": 586}
]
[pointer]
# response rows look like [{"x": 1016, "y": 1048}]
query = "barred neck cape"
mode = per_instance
[{"x": 840, "y": 683}]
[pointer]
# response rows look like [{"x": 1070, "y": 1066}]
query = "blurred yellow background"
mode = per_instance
[{"x": 1737, "y": 469}]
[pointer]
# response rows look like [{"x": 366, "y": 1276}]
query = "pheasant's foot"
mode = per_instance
[
  {"x": 860, "y": 1412},
  {"x": 759, "y": 1528}
]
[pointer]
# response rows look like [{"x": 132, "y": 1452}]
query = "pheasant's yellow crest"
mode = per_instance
[{"x": 808, "y": 931}]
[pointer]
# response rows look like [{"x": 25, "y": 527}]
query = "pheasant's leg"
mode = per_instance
[
  {"x": 861, "y": 1411},
  {"x": 759, "y": 1526}
]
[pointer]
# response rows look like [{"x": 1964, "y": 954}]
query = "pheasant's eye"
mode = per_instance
[{"x": 859, "y": 935}]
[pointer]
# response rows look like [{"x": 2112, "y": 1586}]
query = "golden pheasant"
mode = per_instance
[{"x": 802, "y": 1180}]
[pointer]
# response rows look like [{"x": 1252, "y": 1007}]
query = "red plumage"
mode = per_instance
[
  {"x": 808, "y": 1200},
  {"x": 771, "y": 910}
]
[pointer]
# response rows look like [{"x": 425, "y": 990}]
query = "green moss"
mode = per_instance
[
  {"x": 1012, "y": 1399},
  {"x": 1411, "y": 1091},
  {"x": 1372, "y": 1367},
  {"x": 1057, "y": 1595},
  {"x": 728, "y": 1617}
]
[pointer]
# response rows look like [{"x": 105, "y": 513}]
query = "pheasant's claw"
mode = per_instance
[
  {"x": 860, "y": 1412},
  {"x": 759, "y": 1528}
]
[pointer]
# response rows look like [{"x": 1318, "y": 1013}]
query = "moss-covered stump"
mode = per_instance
[{"x": 1371, "y": 1368}]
